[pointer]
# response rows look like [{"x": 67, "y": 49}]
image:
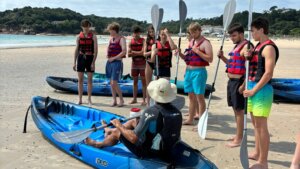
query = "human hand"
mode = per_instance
[
  {"x": 74, "y": 67},
  {"x": 248, "y": 93},
  {"x": 195, "y": 49},
  {"x": 111, "y": 59},
  {"x": 93, "y": 66},
  {"x": 220, "y": 54},
  {"x": 166, "y": 31},
  {"x": 248, "y": 54},
  {"x": 116, "y": 123},
  {"x": 241, "y": 89}
]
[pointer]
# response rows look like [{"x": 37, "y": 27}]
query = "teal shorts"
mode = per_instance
[
  {"x": 260, "y": 104},
  {"x": 195, "y": 81}
]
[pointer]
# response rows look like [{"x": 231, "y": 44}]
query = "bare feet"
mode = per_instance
[
  {"x": 253, "y": 156},
  {"x": 90, "y": 103},
  {"x": 196, "y": 117},
  {"x": 121, "y": 104},
  {"x": 114, "y": 104},
  {"x": 259, "y": 166},
  {"x": 233, "y": 144},
  {"x": 79, "y": 102},
  {"x": 89, "y": 141},
  {"x": 133, "y": 101},
  {"x": 231, "y": 138},
  {"x": 187, "y": 122}
]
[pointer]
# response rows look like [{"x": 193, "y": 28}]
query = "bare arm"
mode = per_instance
[
  {"x": 76, "y": 51},
  {"x": 222, "y": 57},
  {"x": 95, "y": 48},
  {"x": 139, "y": 53},
  {"x": 146, "y": 54},
  {"x": 171, "y": 42},
  {"x": 128, "y": 134}
]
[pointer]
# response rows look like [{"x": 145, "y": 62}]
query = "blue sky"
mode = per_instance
[{"x": 140, "y": 9}]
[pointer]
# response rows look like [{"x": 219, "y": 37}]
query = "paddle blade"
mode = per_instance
[
  {"x": 249, "y": 21},
  {"x": 228, "y": 13},
  {"x": 182, "y": 13},
  {"x": 72, "y": 137},
  {"x": 202, "y": 125},
  {"x": 155, "y": 16},
  {"x": 244, "y": 151}
]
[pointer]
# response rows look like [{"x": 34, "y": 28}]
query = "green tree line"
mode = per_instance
[{"x": 58, "y": 20}]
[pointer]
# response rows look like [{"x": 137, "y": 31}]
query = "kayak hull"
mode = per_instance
[
  {"x": 100, "y": 87},
  {"x": 60, "y": 116}
]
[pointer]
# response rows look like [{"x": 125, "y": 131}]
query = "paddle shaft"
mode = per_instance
[{"x": 179, "y": 43}]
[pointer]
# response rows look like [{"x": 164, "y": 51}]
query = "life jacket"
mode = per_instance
[
  {"x": 164, "y": 55},
  {"x": 137, "y": 46},
  {"x": 171, "y": 126},
  {"x": 149, "y": 45},
  {"x": 257, "y": 63},
  {"x": 114, "y": 48},
  {"x": 192, "y": 58},
  {"x": 236, "y": 62},
  {"x": 86, "y": 44}
]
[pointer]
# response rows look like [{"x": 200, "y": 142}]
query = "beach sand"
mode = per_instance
[{"x": 23, "y": 72}]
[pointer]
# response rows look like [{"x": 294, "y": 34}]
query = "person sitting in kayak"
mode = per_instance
[
  {"x": 159, "y": 128},
  {"x": 112, "y": 135}
]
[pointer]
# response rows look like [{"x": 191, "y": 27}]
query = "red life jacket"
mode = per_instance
[
  {"x": 164, "y": 55},
  {"x": 86, "y": 44},
  {"x": 114, "y": 48},
  {"x": 149, "y": 45},
  {"x": 257, "y": 63},
  {"x": 192, "y": 58},
  {"x": 236, "y": 62},
  {"x": 137, "y": 46}
]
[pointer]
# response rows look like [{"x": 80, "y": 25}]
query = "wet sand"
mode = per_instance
[{"x": 23, "y": 72}]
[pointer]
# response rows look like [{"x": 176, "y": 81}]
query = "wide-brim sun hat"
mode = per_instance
[{"x": 162, "y": 91}]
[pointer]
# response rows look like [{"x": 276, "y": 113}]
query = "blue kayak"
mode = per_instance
[
  {"x": 286, "y": 84},
  {"x": 287, "y": 96},
  {"x": 52, "y": 116},
  {"x": 180, "y": 84},
  {"x": 100, "y": 86}
]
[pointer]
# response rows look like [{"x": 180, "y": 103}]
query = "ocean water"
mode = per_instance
[{"x": 24, "y": 41}]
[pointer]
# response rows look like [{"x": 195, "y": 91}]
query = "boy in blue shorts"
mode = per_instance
[
  {"x": 114, "y": 66},
  {"x": 198, "y": 56}
]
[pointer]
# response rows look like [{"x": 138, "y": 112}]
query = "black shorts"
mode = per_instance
[
  {"x": 84, "y": 63},
  {"x": 234, "y": 98},
  {"x": 137, "y": 150},
  {"x": 163, "y": 72}
]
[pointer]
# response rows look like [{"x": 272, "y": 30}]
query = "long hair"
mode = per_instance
[{"x": 149, "y": 38}]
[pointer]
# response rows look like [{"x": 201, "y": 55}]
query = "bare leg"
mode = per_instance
[
  {"x": 118, "y": 91},
  {"x": 254, "y": 155},
  {"x": 201, "y": 103},
  {"x": 239, "y": 116},
  {"x": 110, "y": 140},
  {"x": 90, "y": 87},
  {"x": 148, "y": 76},
  {"x": 135, "y": 90},
  {"x": 144, "y": 90},
  {"x": 80, "y": 87},
  {"x": 197, "y": 114},
  {"x": 113, "y": 92},
  {"x": 192, "y": 101},
  {"x": 261, "y": 126},
  {"x": 296, "y": 159}
]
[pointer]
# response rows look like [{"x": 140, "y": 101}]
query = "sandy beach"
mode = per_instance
[{"x": 23, "y": 72}]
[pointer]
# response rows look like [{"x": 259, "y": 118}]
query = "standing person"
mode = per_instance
[
  {"x": 114, "y": 65},
  {"x": 197, "y": 58},
  {"x": 165, "y": 45},
  {"x": 235, "y": 71},
  {"x": 183, "y": 55},
  {"x": 138, "y": 65},
  {"x": 85, "y": 57},
  {"x": 159, "y": 127},
  {"x": 147, "y": 53},
  {"x": 260, "y": 91}
]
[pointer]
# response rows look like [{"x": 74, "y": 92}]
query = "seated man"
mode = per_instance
[
  {"x": 159, "y": 127},
  {"x": 112, "y": 135}
]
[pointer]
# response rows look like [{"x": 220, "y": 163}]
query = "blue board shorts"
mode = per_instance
[
  {"x": 114, "y": 70},
  {"x": 195, "y": 81},
  {"x": 261, "y": 102}
]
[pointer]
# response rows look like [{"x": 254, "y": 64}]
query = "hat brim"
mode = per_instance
[{"x": 162, "y": 99}]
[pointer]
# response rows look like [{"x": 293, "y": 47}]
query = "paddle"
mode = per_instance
[
  {"x": 182, "y": 16},
  {"x": 243, "y": 150},
  {"x": 227, "y": 17}
]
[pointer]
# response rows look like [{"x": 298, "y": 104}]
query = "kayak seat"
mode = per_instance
[{"x": 66, "y": 122}]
